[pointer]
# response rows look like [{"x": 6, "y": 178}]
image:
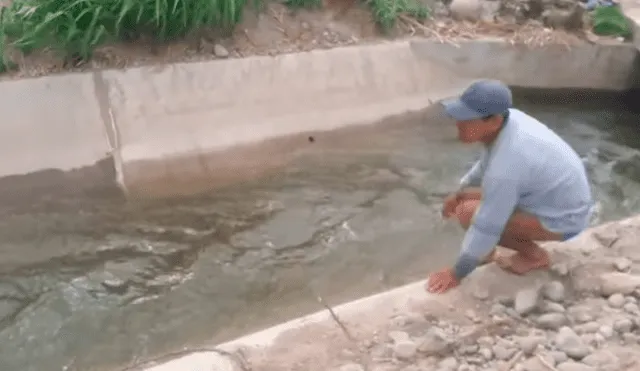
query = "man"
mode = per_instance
[{"x": 532, "y": 186}]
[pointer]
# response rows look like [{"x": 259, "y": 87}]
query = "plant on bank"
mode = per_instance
[{"x": 74, "y": 28}]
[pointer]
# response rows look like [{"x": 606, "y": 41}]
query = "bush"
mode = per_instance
[{"x": 75, "y": 28}]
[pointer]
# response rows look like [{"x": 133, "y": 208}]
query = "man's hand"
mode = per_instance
[
  {"x": 450, "y": 204},
  {"x": 442, "y": 281}
]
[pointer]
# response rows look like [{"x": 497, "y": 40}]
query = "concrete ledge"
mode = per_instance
[
  {"x": 375, "y": 310},
  {"x": 182, "y": 122}
]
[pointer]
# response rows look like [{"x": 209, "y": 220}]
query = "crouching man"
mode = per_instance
[{"x": 528, "y": 185}]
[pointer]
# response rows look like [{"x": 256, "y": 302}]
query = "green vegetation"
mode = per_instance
[
  {"x": 610, "y": 21},
  {"x": 74, "y": 28}
]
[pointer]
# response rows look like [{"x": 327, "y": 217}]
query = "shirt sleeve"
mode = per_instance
[
  {"x": 473, "y": 177},
  {"x": 499, "y": 201}
]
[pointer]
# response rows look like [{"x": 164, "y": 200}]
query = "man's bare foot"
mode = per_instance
[{"x": 519, "y": 263}]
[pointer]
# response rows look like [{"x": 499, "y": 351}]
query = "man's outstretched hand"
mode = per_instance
[
  {"x": 442, "y": 281},
  {"x": 449, "y": 206}
]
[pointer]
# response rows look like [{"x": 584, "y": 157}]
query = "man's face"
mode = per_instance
[{"x": 471, "y": 131}]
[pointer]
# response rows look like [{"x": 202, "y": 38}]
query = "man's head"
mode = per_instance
[{"x": 480, "y": 111}]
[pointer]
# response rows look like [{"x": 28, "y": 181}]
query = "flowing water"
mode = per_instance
[{"x": 99, "y": 284}]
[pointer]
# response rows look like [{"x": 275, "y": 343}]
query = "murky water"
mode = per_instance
[{"x": 103, "y": 284}]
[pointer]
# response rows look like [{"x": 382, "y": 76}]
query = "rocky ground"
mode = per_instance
[
  {"x": 582, "y": 315},
  {"x": 278, "y": 30}
]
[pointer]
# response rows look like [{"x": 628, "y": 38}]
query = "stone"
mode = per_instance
[
  {"x": 561, "y": 269},
  {"x": 433, "y": 343},
  {"x": 503, "y": 353},
  {"x": 352, "y": 367},
  {"x": 606, "y": 331},
  {"x": 534, "y": 364},
  {"x": 622, "y": 264},
  {"x": 569, "y": 20},
  {"x": 616, "y": 300},
  {"x": 601, "y": 358},
  {"x": 469, "y": 10},
  {"x": 448, "y": 363},
  {"x": 630, "y": 338},
  {"x": 554, "y": 291},
  {"x": 529, "y": 344},
  {"x": 622, "y": 325},
  {"x": 220, "y": 51},
  {"x": 618, "y": 283},
  {"x": 405, "y": 350},
  {"x": 571, "y": 344},
  {"x": 526, "y": 300},
  {"x": 486, "y": 353},
  {"x": 558, "y": 356},
  {"x": 398, "y": 336},
  {"x": 481, "y": 293},
  {"x": 631, "y": 308},
  {"x": 574, "y": 366},
  {"x": 551, "y": 307},
  {"x": 551, "y": 321},
  {"x": 588, "y": 328}
]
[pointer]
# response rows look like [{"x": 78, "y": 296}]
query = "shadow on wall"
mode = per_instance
[
  {"x": 91, "y": 182},
  {"x": 194, "y": 174}
]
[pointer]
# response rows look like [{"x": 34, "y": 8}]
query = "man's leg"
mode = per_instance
[{"x": 519, "y": 235}]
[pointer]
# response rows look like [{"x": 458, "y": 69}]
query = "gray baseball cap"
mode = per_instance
[{"x": 481, "y": 99}]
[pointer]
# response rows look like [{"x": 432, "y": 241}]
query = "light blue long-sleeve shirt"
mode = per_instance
[{"x": 530, "y": 168}]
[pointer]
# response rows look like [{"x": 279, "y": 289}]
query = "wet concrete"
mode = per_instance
[{"x": 89, "y": 281}]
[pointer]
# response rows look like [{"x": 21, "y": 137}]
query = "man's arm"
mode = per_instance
[
  {"x": 473, "y": 177},
  {"x": 499, "y": 201}
]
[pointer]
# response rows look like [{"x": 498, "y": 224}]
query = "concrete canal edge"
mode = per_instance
[
  {"x": 165, "y": 127},
  {"x": 373, "y": 309}
]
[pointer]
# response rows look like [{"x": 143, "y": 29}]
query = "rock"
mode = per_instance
[
  {"x": 470, "y": 10},
  {"x": 448, "y": 363},
  {"x": 115, "y": 285},
  {"x": 561, "y": 269},
  {"x": 570, "y": 20},
  {"x": 503, "y": 353},
  {"x": 529, "y": 344},
  {"x": 220, "y": 51},
  {"x": 631, "y": 308},
  {"x": 405, "y": 350},
  {"x": 571, "y": 344},
  {"x": 616, "y": 300},
  {"x": 574, "y": 366},
  {"x": 622, "y": 264},
  {"x": 551, "y": 307},
  {"x": 554, "y": 291},
  {"x": 630, "y": 338},
  {"x": 606, "y": 331},
  {"x": 526, "y": 300},
  {"x": 618, "y": 283},
  {"x": 352, "y": 367},
  {"x": 623, "y": 325},
  {"x": 551, "y": 321},
  {"x": 486, "y": 353},
  {"x": 434, "y": 343},
  {"x": 588, "y": 328},
  {"x": 481, "y": 293},
  {"x": 399, "y": 336},
  {"x": 468, "y": 349},
  {"x": 497, "y": 309},
  {"x": 534, "y": 364},
  {"x": 601, "y": 358},
  {"x": 558, "y": 356}
]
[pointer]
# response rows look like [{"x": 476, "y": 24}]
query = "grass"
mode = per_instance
[{"x": 74, "y": 28}]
